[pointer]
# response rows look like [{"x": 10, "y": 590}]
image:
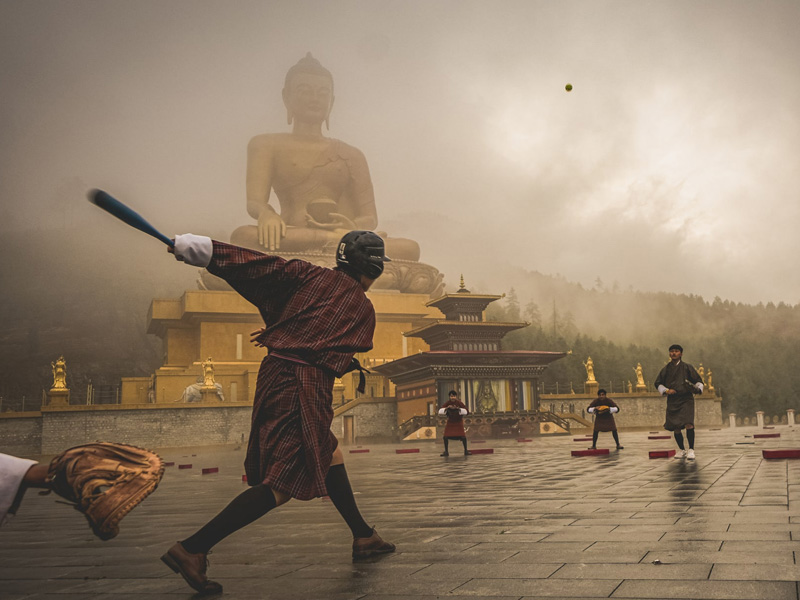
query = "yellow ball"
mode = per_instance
[{"x": 568, "y": 87}]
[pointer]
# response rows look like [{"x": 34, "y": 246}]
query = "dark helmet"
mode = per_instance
[{"x": 362, "y": 252}]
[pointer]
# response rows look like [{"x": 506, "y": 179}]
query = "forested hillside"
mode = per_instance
[{"x": 751, "y": 350}]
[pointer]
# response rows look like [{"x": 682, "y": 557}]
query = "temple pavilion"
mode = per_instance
[{"x": 466, "y": 355}]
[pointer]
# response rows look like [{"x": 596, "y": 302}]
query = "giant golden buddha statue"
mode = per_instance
[{"x": 322, "y": 185}]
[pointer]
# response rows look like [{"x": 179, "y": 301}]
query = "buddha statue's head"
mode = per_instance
[{"x": 308, "y": 91}]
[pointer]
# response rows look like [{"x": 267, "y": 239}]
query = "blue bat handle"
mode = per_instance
[{"x": 126, "y": 214}]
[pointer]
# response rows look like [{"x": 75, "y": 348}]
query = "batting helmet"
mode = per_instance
[{"x": 362, "y": 252}]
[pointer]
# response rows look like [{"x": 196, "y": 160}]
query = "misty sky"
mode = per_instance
[{"x": 673, "y": 165}]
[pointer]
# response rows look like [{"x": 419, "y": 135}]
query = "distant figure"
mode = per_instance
[
  {"x": 454, "y": 410},
  {"x": 604, "y": 408},
  {"x": 630, "y": 387},
  {"x": 679, "y": 381},
  {"x": 59, "y": 374}
]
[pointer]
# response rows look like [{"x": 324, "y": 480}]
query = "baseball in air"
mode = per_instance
[{"x": 568, "y": 87}]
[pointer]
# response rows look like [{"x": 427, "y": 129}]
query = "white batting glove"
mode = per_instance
[{"x": 195, "y": 250}]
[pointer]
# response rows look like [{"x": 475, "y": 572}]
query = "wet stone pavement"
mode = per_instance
[{"x": 528, "y": 521}]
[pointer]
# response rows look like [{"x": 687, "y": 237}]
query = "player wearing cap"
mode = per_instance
[{"x": 316, "y": 320}]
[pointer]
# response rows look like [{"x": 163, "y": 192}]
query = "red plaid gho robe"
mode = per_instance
[{"x": 319, "y": 316}]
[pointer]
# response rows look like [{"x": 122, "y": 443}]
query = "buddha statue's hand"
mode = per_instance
[
  {"x": 271, "y": 229},
  {"x": 337, "y": 221}
]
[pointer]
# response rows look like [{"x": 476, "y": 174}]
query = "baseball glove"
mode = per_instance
[{"x": 105, "y": 481}]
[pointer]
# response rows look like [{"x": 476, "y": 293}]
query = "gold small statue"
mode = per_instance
[
  {"x": 639, "y": 375},
  {"x": 702, "y": 372},
  {"x": 589, "y": 370},
  {"x": 208, "y": 373},
  {"x": 709, "y": 387},
  {"x": 59, "y": 374},
  {"x": 630, "y": 387}
]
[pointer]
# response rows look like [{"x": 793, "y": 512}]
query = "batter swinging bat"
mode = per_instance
[{"x": 126, "y": 215}]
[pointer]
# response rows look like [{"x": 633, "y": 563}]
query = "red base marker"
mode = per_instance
[
  {"x": 477, "y": 441},
  {"x": 406, "y": 450},
  {"x": 782, "y": 453},
  {"x": 767, "y": 435},
  {"x": 523, "y": 440},
  {"x": 658, "y": 437},
  {"x": 184, "y": 466},
  {"x": 483, "y": 451},
  {"x": 210, "y": 470},
  {"x": 598, "y": 452},
  {"x": 661, "y": 453},
  {"x": 583, "y": 439},
  {"x": 359, "y": 451}
]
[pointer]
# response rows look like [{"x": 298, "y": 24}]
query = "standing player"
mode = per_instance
[
  {"x": 679, "y": 381},
  {"x": 316, "y": 320},
  {"x": 454, "y": 410},
  {"x": 604, "y": 408}
]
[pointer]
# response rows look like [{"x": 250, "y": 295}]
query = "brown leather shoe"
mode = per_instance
[
  {"x": 365, "y": 547},
  {"x": 192, "y": 567}
]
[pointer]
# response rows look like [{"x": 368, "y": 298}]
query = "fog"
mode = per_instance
[{"x": 671, "y": 166}]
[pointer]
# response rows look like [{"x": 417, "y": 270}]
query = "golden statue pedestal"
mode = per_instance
[
  {"x": 591, "y": 387},
  {"x": 58, "y": 397}
]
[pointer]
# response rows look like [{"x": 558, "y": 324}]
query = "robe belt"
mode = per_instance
[{"x": 353, "y": 366}]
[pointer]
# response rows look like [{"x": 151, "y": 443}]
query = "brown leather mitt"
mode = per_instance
[{"x": 105, "y": 481}]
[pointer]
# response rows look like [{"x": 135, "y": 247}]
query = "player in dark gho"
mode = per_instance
[
  {"x": 603, "y": 409},
  {"x": 454, "y": 410},
  {"x": 316, "y": 320},
  {"x": 679, "y": 381}
]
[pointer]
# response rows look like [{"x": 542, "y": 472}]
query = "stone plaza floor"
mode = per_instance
[{"x": 528, "y": 521}]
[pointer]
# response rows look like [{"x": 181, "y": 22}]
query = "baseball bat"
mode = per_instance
[{"x": 126, "y": 214}]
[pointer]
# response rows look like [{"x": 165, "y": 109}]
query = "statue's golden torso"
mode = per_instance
[{"x": 307, "y": 169}]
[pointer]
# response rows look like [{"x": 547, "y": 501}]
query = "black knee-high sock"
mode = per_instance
[
  {"x": 616, "y": 436},
  {"x": 243, "y": 510},
  {"x": 690, "y": 437},
  {"x": 341, "y": 494},
  {"x": 464, "y": 441},
  {"x": 445, "y": 444},
  {"x": 679, "y": 439},
  {"x": 594, "y": 438}
]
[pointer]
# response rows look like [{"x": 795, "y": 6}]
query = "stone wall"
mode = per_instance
[
  {"x": 375, "y": 421},
  {"x": 20, "y": 433},
  {"x": 642, "y": 410},
  {"x": 150, "y": 426},
  {"x": 159, "y": 426}
]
